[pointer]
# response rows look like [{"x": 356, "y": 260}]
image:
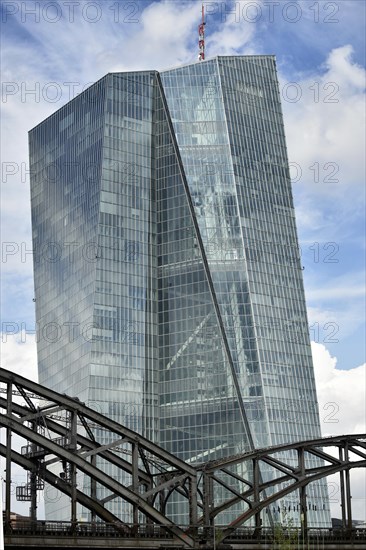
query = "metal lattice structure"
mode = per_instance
[
  {"x": 62, "y": 431},
  {"x": 258, "y": 495}
]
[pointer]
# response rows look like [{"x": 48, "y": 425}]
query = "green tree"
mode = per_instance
[{"x": 285, "y": 534}]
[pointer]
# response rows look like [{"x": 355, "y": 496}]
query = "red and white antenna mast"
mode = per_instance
[{"x": 201, "y": 36}]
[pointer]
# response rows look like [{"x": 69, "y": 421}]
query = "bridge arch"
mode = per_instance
[{"x": 51, "y": 422}]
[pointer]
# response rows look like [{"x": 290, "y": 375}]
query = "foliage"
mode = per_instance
[{"x": 285, "y": 534}]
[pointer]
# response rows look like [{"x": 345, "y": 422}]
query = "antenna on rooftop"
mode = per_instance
[{"x": 201, "y": 36}]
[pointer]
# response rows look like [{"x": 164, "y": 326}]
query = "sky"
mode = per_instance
[{"x": 51, "y": 51}]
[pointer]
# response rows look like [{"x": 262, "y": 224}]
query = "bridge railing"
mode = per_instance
[
  {"x": 312, "y": 535},
  {"x": 150, "y": 531},
  {"x": 85, "y": 529}
]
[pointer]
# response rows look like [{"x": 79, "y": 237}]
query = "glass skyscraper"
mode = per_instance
[{"x": 169, "y": 291}]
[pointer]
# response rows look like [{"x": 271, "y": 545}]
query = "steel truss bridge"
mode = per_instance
[{"x": 61, "y": 433}]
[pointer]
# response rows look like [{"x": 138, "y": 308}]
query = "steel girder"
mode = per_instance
[
  {"x": 63, "y": 486},
  {"x": 154, "y": 473},
  {"x": 351, "y": 454},
  {"x": 151, "y": 470}
]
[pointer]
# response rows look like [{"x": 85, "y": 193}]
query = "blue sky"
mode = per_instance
[{"x": 320, "y": 50}]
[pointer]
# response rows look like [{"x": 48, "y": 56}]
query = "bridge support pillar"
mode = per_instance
[
  {"x": 256, "y": 481},
  {"x": 73, "y": 447},
  {"x": 192, "y": 485},
  {"x": 33, "y": 506},
  {"x": 341, "y": 482},
  {"x": 93, "y": 488},
  {"x": 208, "y": 503},
  {"x": 348, "y": 490},
  {"x": 135, "y": 482},
  {"x": 33, "y": 485},
  {"x": 8, "y": 463},
  {"x": 304, "y": 514},
  {"x": 303, "y": 503}
]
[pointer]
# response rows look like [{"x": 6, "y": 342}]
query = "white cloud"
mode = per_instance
[
  {"x": 358, "y": 486},
  {"x": 342, "y": 407},
  {"x": 341, "y": 394},
  {"x": 349, "y": 76},
  {"x": 19, "y": 354},
  {"x": 326, "y": 139},
  {"x": 326, "y": 125},
  {"x": 235, "y": 35},
  {"x": 333, "y": 325},
  {"x": 76, "y": 52},
  {"x": 335, "y": 302},
  {"x": 340, "y": 292}
]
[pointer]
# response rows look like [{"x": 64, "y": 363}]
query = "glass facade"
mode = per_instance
[
  {"x": 169, "y": 290},
  {"x": 96, "y": 300},
  {"x": 228, "y": 123}
]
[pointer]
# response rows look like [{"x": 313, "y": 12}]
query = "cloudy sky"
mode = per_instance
[{"x": 51, "y": 51}]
